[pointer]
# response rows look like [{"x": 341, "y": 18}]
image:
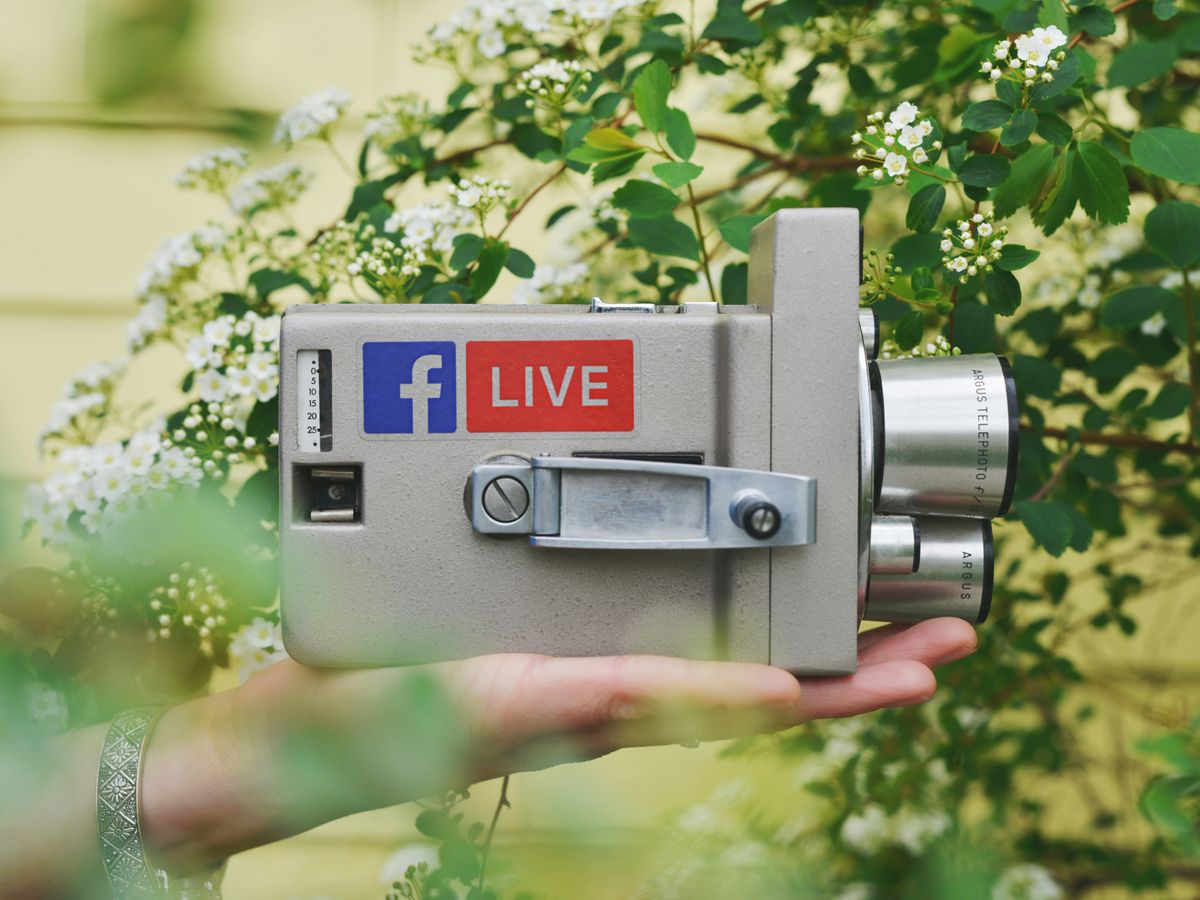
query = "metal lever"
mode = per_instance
[{"x": 621, "y": 504}]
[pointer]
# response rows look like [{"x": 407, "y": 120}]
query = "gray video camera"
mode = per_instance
[{"x": 730, "y": 482}]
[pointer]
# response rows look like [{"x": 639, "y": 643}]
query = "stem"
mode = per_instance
[
  {"x": 712, "y": 291},
  {"x": 1118, "y": 440},
  {"x": 487, "y": 844},
  {"x": 1189, "y": 305},
  {"x": 524, "y": 203},
  {"x": 342, "y": 161}
]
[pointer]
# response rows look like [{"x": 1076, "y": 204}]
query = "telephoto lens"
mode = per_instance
[
  {"x": 953, "y": 578},
  {"x": 945, "y": 432}
]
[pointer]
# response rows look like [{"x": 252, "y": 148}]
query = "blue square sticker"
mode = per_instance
[{"x": 410, "y": 387}]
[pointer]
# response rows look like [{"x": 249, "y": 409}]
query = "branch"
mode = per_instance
[
  {"x": 1132, "y": 441},
  {"x": 791, "y": 163},
  {"x": 524, "y": 203},
  {"x": 1055, "y": 477},
  {"x": 487, "y": 844}
]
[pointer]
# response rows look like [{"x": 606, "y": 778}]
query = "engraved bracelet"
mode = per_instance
[{"x": 118, "y": 813}]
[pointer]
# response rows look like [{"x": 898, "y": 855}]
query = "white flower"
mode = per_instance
[
  {"x": 492, "y": 44},
  {"x": 553, "y": 284},
  {"x": 219, "y": 331},
  {"x": 1154, "y": 325},
  {"x": 919, "y": 156},
  {"x": 984, "y": 229},
  {"x": 895, "y": 165},
  {"x": 313, "y": 116},
  {"x": 915, "y": 831},
  {"x": 46, "y": 706},
  {"x": 867, "y": 831},
  {"x": 212, "y": 386},
  {"x": 213, "y": 170},
  {"x": 947, "y": 245},
  {"x": 910, "y": 138},
  {"x": 904, "y": 114},
  {"x": 1026, "y": 882},
  {"x": 262, "y": 633},
  {"x": 150, "y": 319},
  {"x": 272, "y": 188}
]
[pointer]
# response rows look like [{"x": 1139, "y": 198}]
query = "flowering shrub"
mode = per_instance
[{"x": 1045, "y": 210}]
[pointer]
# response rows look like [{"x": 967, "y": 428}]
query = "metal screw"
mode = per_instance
[
  {"x": 764, "y": 522},
  {"x": 505, "y": 499},
  {"x": 336, "y": 492}
]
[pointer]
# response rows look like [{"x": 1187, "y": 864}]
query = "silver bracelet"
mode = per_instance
[{"x": 118, "y": 817}]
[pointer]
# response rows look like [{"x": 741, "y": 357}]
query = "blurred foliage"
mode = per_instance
[{"x": 1027, "y": 173}]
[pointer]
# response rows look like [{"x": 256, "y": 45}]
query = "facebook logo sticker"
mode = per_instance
[{"x": 409, "y": 387}]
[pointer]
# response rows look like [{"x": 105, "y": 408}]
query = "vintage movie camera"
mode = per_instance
[{"x": 738, "y": 482}]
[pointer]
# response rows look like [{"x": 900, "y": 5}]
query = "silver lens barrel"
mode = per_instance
[
  {"x": 954, "y": 577},
  {"x": 945, "y": 432},
  {"x": 895, "y": 545},
  {"x": 868, "y": 324}
]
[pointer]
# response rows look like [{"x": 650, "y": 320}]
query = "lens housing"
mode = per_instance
[
  {"x": 955, "y": 576},
  {"x": 895, "y": 545},
  {"x": 945, "y": 433}
]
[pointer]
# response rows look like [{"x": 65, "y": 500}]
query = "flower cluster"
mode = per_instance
[
  {"x": 869, "y": 830},
  {"x": 972, "y": 246},
  {"x": 490, "y": 26},
  {"x": 481, "y": 195},
  {"x": 553, "y": 83},
  {"x": 428, "y": 229},
  {"x": 939, "y": 346},
  {"x": 385, "y": 265},
  {"x": 1029, "y": 58},
  {"x": 191, "y": 600},
  {"x": 331, "y": 254},
  {"x": 269, "y": 189},
  {"x": 85, "y": 398},
  {"x": 255, "y": 647},
  {"x": 177, "y": 260},
  {"x": 553, "y": 284},
  {"x": 397, "y": 119},
  {"x": 1026, "y": 881},
  {"x": 213, "y": 171},
  {"x": 236, "y": 359},
  {"x": 103, "y": 483},
  {"x": 314, "y": 116},
  {"x": 895, "y": 144},
  {"x": 214, "y": 433}
]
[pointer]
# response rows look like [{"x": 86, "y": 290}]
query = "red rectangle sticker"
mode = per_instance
[{"x": 521, "y": 386}]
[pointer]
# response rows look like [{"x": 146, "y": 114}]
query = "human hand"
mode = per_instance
[{"x": 296, "y": 747}]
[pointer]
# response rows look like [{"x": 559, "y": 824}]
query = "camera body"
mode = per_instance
[{"x": 701, "y": 480}]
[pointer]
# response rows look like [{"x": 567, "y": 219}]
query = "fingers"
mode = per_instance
[
  {"x": 896, "y": 682},
  {"x": 934, "y": 643}
]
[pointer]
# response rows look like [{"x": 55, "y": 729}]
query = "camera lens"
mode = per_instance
[
  {"x": 868, "y": 324},
  {"x": 954, "y": 577},
  {"x": 895, "y": 545},
  {"x": 945, "y": 431}
]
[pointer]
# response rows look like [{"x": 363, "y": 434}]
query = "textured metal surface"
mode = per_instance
[
  {"x": 948, "y": 428},
  {"x": 954, "y": 578},
  {"x": 804, "y": 270}
]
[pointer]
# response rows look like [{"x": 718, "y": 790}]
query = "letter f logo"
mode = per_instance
[
  {"x": 421, "y": 391},
  {"x": 409, "y": 387}
]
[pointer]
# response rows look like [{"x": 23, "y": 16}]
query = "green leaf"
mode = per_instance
[
  {"x": 1069, "y": 71},
  {"x": 680, "y": 136},
  {"x": 1003, "y": 291},
  {"x": 467, "y": 248},
  {"x": 664, "y": 236},
  {"x": 986, "y": 115},
  {"x": 1053, "y": 12},
  {"x": 1171, "y": 401},
  {"x": 650, "y": 91},
  {"x": 925, "y": 207},
  {"x": 1058, "y": 202},
  {"x": 909, "y": 330},
  {"x": 1049, "y": 523},
  {"x": 732, "y": 25},
  {"x": 611, "y": 140},
  {"x": 1165, "y": 9},
  {"x": 1054, "y": 129},
  {"x": 1168, "y": 152},
  {"x": 735, "y": 284},
  {"x": 519, "y": 263},
  {"x": 1019, "y": 129},
  {"x": 736, "y": 231},
  {"x": 1014, "y": 257},
  {"x": 1101, "y": 183},
  {"x": 1036, "y": 376},
  {"x": 488, "y": 267},
  {"x": 1025, "y": 178},
  {"x": 1110, "y": 367},
  {"x": 644, "y": 199},
  {"x": 677, "y": 174},
  {"x": 1173, "y": 232},
  {"x": 1095, "y": 20},
  {"x": 1132, "y": 306},
  {"x": 1141, "y": 62},
  {"x": 267, "y": 281},
  {"x": 984, "y": 170}
]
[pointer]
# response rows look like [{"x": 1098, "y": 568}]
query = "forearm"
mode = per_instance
[{"x": 48, "y": 841}]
